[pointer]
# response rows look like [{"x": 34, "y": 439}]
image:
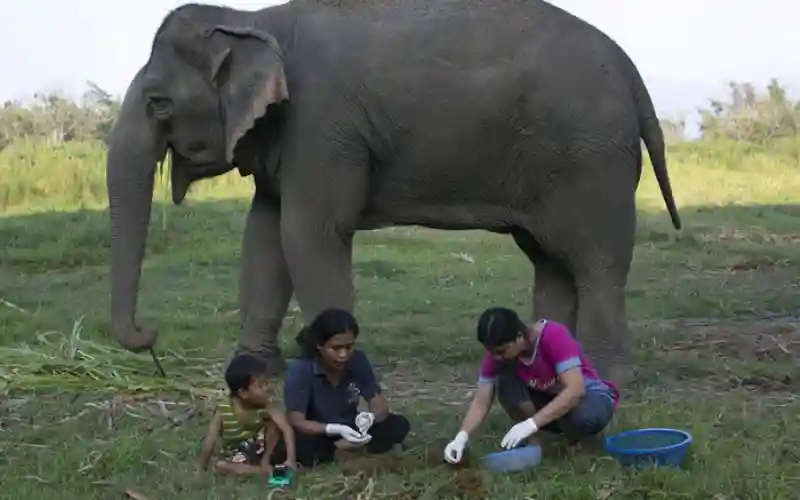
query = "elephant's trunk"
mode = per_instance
[{"x": 133, "y": 151}]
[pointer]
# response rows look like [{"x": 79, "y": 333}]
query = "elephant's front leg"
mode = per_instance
[
  {"x": 320, "y": 263},
  {"x": 320, "y": 210},
  {"x": 265, "y": 286}
]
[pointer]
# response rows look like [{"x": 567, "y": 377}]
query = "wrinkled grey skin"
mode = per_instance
[{"x": 509, "y": 116}]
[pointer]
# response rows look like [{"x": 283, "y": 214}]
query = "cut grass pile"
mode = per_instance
[{"x": 55, "y": 362}]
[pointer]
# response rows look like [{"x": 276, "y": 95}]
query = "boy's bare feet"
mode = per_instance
[{"x": 226, "y": 467}]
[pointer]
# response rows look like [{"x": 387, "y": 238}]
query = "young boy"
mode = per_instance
[{"x": 247, "y": 423}]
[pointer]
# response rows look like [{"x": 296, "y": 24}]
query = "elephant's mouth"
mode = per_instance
[{"x": 184, "y": 171}]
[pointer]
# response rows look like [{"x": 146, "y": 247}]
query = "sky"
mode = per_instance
[{"x": 686, "y": 50}]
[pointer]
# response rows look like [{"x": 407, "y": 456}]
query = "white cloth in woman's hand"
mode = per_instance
[{"x": 364, "y": 421}]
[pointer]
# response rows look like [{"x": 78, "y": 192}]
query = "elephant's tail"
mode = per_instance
[{"x": 653, "y": 137}]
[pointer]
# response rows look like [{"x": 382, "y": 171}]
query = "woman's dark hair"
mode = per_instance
[
  {"x": 498, "y": 326},
  {"x": 328, "y": 323}
]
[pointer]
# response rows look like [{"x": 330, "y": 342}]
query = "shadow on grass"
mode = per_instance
[
  {"x": 418, "y": 289},
  {"x": 65, "y": 240}
]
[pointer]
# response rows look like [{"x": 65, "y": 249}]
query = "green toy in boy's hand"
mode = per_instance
[{"x": 281, "y": 476}]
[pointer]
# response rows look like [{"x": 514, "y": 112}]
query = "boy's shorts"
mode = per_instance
[{"x": 248, "y": 451}]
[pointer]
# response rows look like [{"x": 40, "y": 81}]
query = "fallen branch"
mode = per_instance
[{"x": 13, "y": 306}]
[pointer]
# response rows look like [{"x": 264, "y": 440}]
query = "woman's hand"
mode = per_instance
[
  {"x": 518, "y": 433},
  {"x": 347, "y": 433},
  {"x": 455, "y": 448}
]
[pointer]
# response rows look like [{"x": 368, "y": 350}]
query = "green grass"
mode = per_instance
[{"x": 711, "y": 309}]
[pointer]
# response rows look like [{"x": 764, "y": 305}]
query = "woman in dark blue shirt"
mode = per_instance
[{"x": 322, "y": 390}]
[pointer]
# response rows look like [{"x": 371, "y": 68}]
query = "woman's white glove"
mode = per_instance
[
  {"x": 364, "y": 421},
  {"x": 518, "y": 433},
  {"x": 455, "y": 448},
  {"x": 347, "y": 433}
]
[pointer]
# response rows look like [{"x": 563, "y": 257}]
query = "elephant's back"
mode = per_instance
[
  {"x": 470, "y": 72},
  {"x": 415, "y": 40}
]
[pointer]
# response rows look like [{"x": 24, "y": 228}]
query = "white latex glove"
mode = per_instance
[
  {"x": 518, "y": 433},
  {"x": 347, "y": 433},
  {"x": 364, "y": 421},
  {"x": 455, "y": 448}
]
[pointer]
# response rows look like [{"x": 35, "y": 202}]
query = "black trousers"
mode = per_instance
[{"x": 320, "y": 449}]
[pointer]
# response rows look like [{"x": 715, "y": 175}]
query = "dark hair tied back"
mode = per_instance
[
  {"x": 305, "y": 339},
  {"x": 498, "y": 326},
  {"x": 328, "y": 323}
]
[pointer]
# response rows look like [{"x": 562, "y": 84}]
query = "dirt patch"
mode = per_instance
[
  {"x": 408, "y": 382},
  {"x": 739, "y": 236},
  {"x": 756, "y": 264},
  {"x": 435, "y": 457},
  {"x": 757, "y": 341},
  {"x": 760, "y": 342},
  {"x": 462, "y": 480},
  {"x": 765, "y": 383},
  {"x": 378, "y": 464}
]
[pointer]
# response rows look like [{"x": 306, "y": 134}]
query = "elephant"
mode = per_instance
[{"x": 514, "y": 117}]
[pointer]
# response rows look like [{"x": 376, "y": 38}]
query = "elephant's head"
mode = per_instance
[{"x": 208, "y": 80}]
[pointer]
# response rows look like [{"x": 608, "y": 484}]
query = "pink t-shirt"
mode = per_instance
[{"x": 555, "y": 351}]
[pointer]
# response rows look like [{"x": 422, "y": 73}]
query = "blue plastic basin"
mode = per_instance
[
  {"x": 517, "y": 459},
  {"x": 654, "y": 446}
]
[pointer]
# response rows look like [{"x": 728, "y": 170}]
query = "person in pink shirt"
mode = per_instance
[{"x": 542, "y": 379}]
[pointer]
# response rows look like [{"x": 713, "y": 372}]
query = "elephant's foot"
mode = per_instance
[
  {"x": 270, "y": 355},
  {"x": 135, "y": 339}
]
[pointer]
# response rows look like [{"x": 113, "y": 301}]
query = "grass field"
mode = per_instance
[{"x": 713, "y": 310}]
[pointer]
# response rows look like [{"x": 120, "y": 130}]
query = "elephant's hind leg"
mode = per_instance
[
  {"x": 554, "y": 294},
  {"x": 600, "y": 263},
  {"x": 265, "y": 286},
  {"x": 602, "y": 319},
  {"x": 594, "y": 238}
]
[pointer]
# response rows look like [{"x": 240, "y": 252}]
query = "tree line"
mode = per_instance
[{"x": 746, "y": 114}]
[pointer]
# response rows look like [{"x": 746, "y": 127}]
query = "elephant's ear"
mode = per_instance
[{"x": 247, "y": 68}]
